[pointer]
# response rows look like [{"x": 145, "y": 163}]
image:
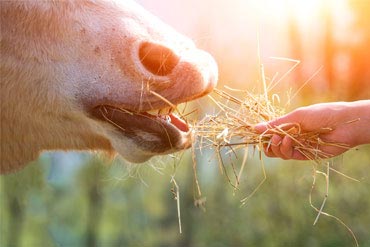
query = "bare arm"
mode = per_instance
[{"x": 350, "y": 122}]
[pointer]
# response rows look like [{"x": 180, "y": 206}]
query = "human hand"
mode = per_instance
[{"x": 349, "y": 123}]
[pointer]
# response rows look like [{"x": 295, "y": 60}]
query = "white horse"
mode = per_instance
[{"x": 93, "y": 75}]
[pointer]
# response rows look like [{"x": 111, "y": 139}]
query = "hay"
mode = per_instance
[
  {"x": 232, "y": 128},
  {"x": 233, "y": 125}
]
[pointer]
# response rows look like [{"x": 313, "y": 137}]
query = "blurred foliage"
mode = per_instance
[{"x": 109, "y": 203}]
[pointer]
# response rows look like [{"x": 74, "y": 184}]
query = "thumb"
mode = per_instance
[{"x": 263, "y": 126}]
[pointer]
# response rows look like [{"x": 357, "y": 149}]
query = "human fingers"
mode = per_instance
[
  {"x": 272, "y": 149},
  {"x": 268, "y": 152},
  {"x": 283, "y": 148},
  {"x": 288, "y": 150},
  {"x": 286, "y": 147},
  {"x": 275, "y": 143},
  {"x": 291, "y": 119},
  {"x": 261, "y": 127}
]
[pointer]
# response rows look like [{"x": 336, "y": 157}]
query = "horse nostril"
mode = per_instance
[{"x": 157, "y": 59}]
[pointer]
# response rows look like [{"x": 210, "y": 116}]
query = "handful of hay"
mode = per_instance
[{"x": 232, "y": 127}]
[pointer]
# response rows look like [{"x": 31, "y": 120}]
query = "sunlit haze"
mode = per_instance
[{"x": 320, "y": 34}]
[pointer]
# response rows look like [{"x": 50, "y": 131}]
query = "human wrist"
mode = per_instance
[{"x": 360, "y": 113}]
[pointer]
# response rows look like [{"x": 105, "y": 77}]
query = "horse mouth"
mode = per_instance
[{"x": 158, "y": 131}]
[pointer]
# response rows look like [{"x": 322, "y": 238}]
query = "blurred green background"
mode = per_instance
[{"x": 82, "y": 199}]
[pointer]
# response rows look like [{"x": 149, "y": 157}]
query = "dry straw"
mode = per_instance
[{"x": 232, "y": 128}]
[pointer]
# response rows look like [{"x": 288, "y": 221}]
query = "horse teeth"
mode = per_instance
[
  {"x": 165, "y": 118},
  {"x": 163, "y": 111}
]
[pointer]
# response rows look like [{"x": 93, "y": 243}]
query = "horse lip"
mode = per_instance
[{"x": 155, "y": 134}]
